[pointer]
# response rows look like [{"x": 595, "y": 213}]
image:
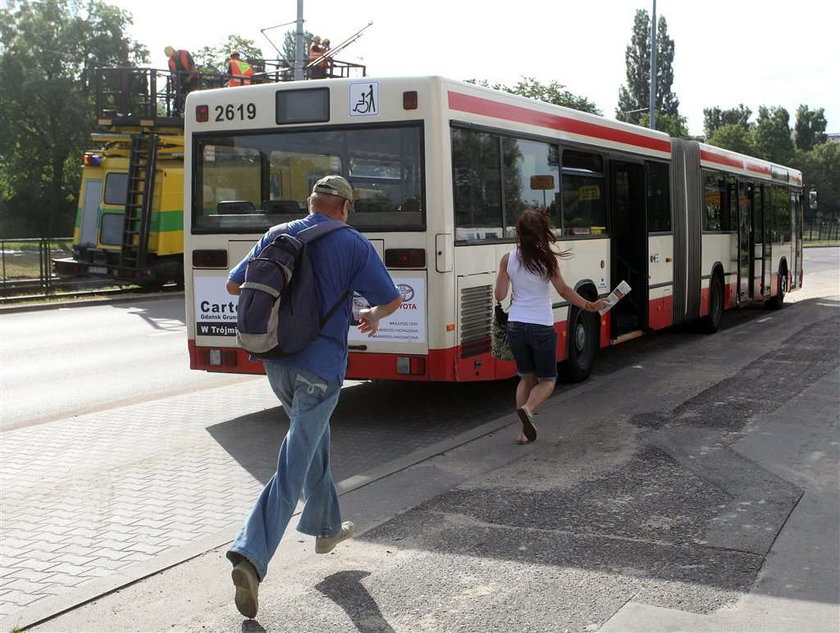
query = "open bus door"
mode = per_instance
[
  {"x": 629, "y": 239},
  {"x": 758, "y": 242},
  {"x": 744, "y": 241}
]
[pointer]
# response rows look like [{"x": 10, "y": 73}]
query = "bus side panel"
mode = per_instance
[
  {"x": 661, "y": 289},
  {"x": 716, "y": 249}
]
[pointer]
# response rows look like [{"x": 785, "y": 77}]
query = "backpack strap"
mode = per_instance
[
  {"x": 310, "y": 235},
  {"x": 316, "y": 231},
  {"x": 329, "y": 314}
]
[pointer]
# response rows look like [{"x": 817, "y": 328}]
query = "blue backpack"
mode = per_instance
[{"x": 279, "y": 307}]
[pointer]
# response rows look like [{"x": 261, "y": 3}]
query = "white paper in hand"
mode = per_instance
[{"x": 615, "y": 296}]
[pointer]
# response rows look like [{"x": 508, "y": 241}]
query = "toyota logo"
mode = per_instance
[{"x": 406, "y": 291}]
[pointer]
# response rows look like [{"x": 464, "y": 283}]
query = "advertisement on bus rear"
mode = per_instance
[{"x": 215, "y": 312}]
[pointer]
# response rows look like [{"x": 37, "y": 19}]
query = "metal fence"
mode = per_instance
[
  {"x": 26, "y": 264},
  {"x": 821, "y": 232}
]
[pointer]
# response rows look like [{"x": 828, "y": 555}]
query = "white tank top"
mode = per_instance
[{"x": 531, "y": 301}]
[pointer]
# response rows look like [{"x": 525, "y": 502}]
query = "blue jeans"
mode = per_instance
[
  {"x": 534, "y": 349},
  {"x": 303, "y": 469}
]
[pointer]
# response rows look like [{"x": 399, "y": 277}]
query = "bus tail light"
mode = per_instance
[
  {"x": 221, "y": 357},
  {"x": 210, "y": 259},
  {"x": 202, "y": 113},
  {"x": 410, "y": 100},
  {"x": 405, "y": 258},
  {"x": 411, "y": 365}
]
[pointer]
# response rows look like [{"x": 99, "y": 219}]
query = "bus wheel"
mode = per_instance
[
  {"x": 583, "y": 343},
  {"x": 711, "y": 323},
  {"x": 776, "y": 303}
]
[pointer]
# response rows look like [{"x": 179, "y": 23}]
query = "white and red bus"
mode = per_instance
[{"x": 440, "y": 171}]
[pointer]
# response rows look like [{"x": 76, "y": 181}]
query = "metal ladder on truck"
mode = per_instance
[{"x": 139, "y": 200}]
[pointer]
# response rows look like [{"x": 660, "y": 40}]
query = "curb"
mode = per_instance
[{"x": 83, "y": 303}]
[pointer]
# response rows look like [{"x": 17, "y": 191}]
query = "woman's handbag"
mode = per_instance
[{"x": 500, "y": 349}]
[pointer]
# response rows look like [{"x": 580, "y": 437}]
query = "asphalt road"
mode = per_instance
[{"x": 69, "y": 361}]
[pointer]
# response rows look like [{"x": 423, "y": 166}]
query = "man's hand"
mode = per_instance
[
  {"x": 369, "y": 317},
  {"x": 367, "y": 323}
]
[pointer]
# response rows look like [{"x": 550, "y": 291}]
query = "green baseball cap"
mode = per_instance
[{"x": 334, "y": 186}]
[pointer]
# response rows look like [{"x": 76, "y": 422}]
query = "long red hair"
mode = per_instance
[{"x": 535, "y": 239}]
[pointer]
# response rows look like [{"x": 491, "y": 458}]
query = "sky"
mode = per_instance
[{"x": 727, "y": 52}]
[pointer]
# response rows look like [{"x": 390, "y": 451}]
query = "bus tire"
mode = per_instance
[
  {"x": 776, "y": 303},
  {"x": 711, "y": 322},
  {"x": 583, "y": 344}
]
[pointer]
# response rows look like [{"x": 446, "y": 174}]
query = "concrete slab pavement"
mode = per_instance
[{"x": 692, "y": 490}]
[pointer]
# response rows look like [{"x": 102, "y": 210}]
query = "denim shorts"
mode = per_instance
[{"x": 534, "y": 349}]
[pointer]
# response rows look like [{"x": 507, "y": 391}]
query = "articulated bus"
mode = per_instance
[{"x": 440, "y": 171}]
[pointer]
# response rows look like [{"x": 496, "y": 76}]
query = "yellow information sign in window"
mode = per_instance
[{"x": 589, "y": 192}]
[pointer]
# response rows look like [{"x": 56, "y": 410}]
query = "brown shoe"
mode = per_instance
[{"x": 247, "y": 584}]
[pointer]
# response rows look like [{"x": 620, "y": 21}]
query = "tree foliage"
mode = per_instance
[
  {"x": 288, "y": 48},
  {"x": 821, "y": 170},
  {"x": 634, "y": 96},
  {"x": 552, "y": 92},
  {"x": 714, "y": 118},
  {"x": 47, "y": 50},
  {"x": 809, "y": 129},
  {"x": 733, "y": 136},
  {"x": 214, "y": 59},
  {"x": 672, "y": 124},
  {"x": 773, "y": 139}
]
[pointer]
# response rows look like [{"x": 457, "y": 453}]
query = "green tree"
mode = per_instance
[
  {"x": 288, "y": 48},
  {"x": 809, "y": 129},
  {"x": 46, "y": 52},
  {"x": 714, "y": 118},
  {"x": 634, "y": 97},
  {"x": 773, "y": 139},
  {"x": 821, "y": 169},
  {"x": 672, "y": 124},
  {"x": 552, "y": 92},
  {"x": 214, "y": 59},
  {"x": 733, "y": 136}
]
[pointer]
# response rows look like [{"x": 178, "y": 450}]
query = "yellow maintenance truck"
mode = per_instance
[{"x": 129, "y": 222}]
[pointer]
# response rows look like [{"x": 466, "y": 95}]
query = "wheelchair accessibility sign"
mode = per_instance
[{"x": 364, "y": 99}]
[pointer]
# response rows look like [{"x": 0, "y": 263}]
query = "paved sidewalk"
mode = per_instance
[
  {"x": 694, "y": 491},
  {"x": 93, "y": 503}
]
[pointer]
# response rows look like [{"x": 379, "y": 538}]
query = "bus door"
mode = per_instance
[
  {"x": 744, "y": 241},
  {"x": 759, "y": 242},
  {"x": 629, "y": 241},
  {"x": 90, "y": 212}
]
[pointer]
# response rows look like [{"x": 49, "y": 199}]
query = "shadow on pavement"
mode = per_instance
[
  {"x": 161, "y": 313},
  {"x": 347, "y": 591},
  {"x": 374, "y": 423}
]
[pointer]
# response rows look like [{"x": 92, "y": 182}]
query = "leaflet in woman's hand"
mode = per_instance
[{"x": 615, "y": 296}]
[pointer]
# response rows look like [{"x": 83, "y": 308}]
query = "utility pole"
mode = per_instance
[
  {"x": 652, "y": 116},
  {"x": 299, "y": 43}
]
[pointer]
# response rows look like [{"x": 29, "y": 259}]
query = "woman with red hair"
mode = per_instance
[{"x": 532, "y": 269}]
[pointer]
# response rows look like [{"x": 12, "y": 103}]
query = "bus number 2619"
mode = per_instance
[{"x": 241, "y": 112}]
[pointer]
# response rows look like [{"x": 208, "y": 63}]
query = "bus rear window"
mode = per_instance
[{"x": 245, "y": 183}]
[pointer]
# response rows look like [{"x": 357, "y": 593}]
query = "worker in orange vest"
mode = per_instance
[
  {"x": 184, "y": 74},
  {"x": 316, "y": 50},
  {"x": 240, "y": 72}
]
